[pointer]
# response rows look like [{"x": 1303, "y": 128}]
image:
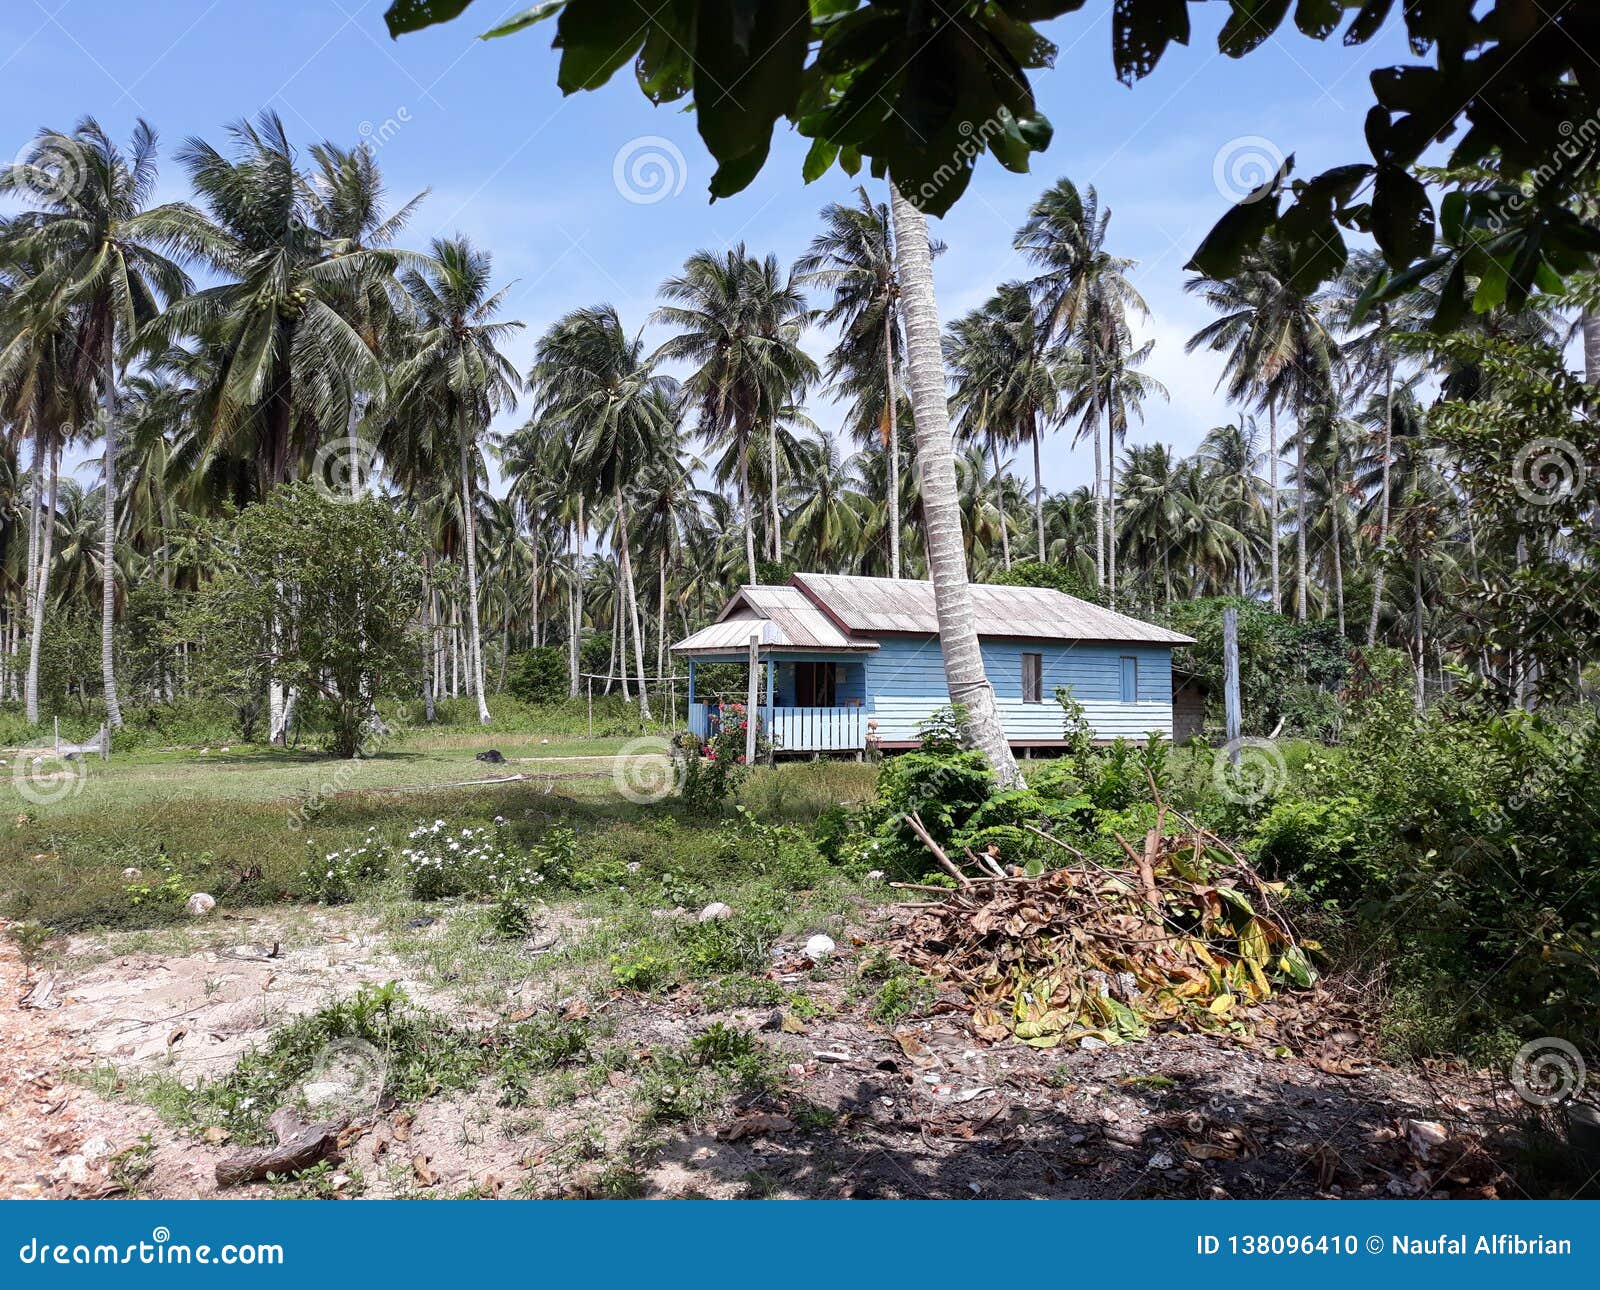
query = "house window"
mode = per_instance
[
  {"x": 815, "y": 685},
  {"x": 1130, "y": 680},
  {"x": 1033, "y": 678}
]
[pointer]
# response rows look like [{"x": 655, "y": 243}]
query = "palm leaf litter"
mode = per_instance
[{"x": 1188, "y": 937}]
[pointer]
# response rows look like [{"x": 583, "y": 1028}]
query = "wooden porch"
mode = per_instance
[{"x": 795, "y": 729}]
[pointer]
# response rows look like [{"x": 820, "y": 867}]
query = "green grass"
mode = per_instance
[{"x": 242, "y": 825}]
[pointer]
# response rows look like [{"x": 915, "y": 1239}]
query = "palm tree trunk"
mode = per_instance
[
  {"x": 1416, "y": 566},
  {"x": 893, "y": 445},
  {"x": 1383, "y": 503},
  {"x": 1099, "y": 505},
  {"x": 772, "y": 492},
  {"x": 1000, "y": 500},
  {"x": 108, "y": 572},
  {"x": 431, "y": 635},
  {"x": 1300, "y": 515},
  {"x": 575, "y": 644},
  {"x": 1111, "y": 516},
  {"x": 1591, "y": 354},
  {"x": 661, "y": 613},
  {"x": 1038, "y": 493},
  {"x": 41, "y": 586},
  {"x": 1338, "y": 560},
  {"x": 1272, "y": 502},
  {"x": 625, "y": 552},
  {"x": 470, "y": 523},
  {"x": 941, "y": 509},
  {"x": 744, "y": 505},
  {"x": 35, "y": 518}
]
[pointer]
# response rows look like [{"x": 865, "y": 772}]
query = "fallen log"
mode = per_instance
[{"x": 300, "y": 1145}]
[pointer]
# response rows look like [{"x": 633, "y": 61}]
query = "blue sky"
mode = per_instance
[{"x": 534, "y": 176}]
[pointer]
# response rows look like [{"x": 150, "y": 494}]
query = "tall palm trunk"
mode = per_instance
[
  {"x": 1300, "y": 515},
  {"x": 1000, "y": 500},
  {"x": 575, "y": 642},
  {"x": 1099, "y": 469},
  {"x": 1338, "y": 555},
  {"x": 41, "y": 585},
  {"x": 1421, "y": 647},
  {"x": 775, "y": 519},
  {"x": 108, "y": 572},
  {"x": 470, "y": 536},
  {"x": 892, "y": 447},
  {"x": 1111, "y": 515},
  {"x": 1591, "y": 353},
  {"x": 625, "y": 556},
  {"x": 745, "y": 508},
  {"x": 941, "y": 508},
  {"x": 1272, "y": 502},
  {"x": 431, "y": 634},
  {"x": 1383, "y": 502},
  {"x": 661, "y": 613},
  {"x": 1038, "y": 493}
]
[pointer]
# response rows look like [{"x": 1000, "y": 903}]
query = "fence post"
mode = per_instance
[{"x": 591, "y": 707}]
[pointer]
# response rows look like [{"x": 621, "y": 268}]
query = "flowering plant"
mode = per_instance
[{"x": 333, "y": 876}]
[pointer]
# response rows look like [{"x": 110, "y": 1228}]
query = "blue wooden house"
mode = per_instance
[{"x": 849, "y": 660}]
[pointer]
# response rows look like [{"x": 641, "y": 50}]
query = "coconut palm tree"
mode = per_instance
[
  {"x": 457, "y": 376},
  {"x": 965, "y": 677},
  {"x": 738, "y": 320},
  {"x": 1279, "y": 354},
  {"x": 98, "y": 243},
  {"x": 854, "y": 258},
  {"x": 622, "y": 416},
  {"x": 1084, "y": 298},
  {"x": 978, "y": 355},
  {"x": 1230, "y": 457}
]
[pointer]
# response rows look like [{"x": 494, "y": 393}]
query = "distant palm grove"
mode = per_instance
[{"x": 1429, "y": 493}]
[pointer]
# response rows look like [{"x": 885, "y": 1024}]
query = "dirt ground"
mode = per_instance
[{"x": 920, "y": 1110}]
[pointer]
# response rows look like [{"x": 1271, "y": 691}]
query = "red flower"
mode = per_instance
[{"x": 741, "y": 759}]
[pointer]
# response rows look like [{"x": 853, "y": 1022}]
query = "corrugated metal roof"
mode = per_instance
[
  {"x": 783, "y": 617},
  {"x": 876, "y": 605}
]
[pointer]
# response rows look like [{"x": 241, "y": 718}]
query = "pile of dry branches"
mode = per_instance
[{"x": 1189, "y": 935}]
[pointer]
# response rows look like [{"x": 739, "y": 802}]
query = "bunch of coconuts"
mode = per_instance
[{"x": 294, "y": 305}]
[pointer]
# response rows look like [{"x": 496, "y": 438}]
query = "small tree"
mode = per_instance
[
  {"x": 322, "y": 596},
  {"x": 539, "y": 675}
]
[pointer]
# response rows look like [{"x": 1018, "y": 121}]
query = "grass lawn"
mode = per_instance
[{"x": 243, "y": 824}]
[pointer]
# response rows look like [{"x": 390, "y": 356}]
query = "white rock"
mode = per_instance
[
  {"x": 1089, "y": 1043},
  {"x": 319, "y": 1091},
  {"x": 224, "y": 748},
  {"x": 819, "y": 947},
  {"x": 96, "y": 1148},
  {"x": 132, "y": 875},
  {"x": 543, "y": 742},
  {"x": 1161, "y": 1160},
  {"x": 200, "y": 904},
  {"x": 714, "y": 911},
  {"x": 73, "y": 1169},
  {"x": 874, "y": 875}
]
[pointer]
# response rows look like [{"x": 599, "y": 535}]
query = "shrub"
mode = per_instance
[
  {"x": 333, "y": 878},
  {"x": 539, "y": 675}
]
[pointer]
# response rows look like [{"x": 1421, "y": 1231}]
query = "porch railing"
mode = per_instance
[{"x": 799, "y": 729}]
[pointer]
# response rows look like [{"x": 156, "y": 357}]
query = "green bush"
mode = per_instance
[{"x": 539, "y": 675}]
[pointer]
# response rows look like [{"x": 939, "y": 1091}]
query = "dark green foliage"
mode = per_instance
[
  {"x": 1057, "y": 577},
  {"x": 539, "y": 675},
  {"x": 1288, "y": 671}
]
